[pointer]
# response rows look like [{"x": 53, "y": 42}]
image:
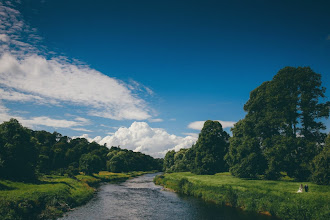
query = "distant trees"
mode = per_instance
[
  {"x": 206, "y": 156},
  {"x": 169, "y": 160},
  {"x": 90, "y": 163},
  {"x": 123, "y": 160},
  {"x": 25, "y": 153},
  {"x": 281, "y": 131},
  {"x": 18, "y": 154}
]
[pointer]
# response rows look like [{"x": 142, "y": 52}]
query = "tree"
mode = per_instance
[
  {"x": 321, "y": 165},
  {"x": 123, "y": 160},
  {"x": 168, "y": 160},
  {"x": 89, "y": 163},
  {"x": 244, "y": 156},
  {"x": 284, "y": 119},
  {"x": 18, "y": 154},
  {"x": 210, "y": 149}
]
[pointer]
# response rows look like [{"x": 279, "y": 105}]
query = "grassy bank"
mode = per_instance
[
  {"x": 51, "y": 195},
  {"x": 277, "y": 198}
]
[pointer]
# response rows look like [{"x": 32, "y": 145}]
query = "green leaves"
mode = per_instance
[
  {"x": 282, "y": 127},
  {"x": 210, "y": 149}
]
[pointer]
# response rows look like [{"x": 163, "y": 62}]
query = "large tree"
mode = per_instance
[
  {"x": 210, "y": 149},
  {"x": 284, "y": 119}
]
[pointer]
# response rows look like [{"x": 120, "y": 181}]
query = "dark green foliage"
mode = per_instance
[
  {"x": 122, "y": 160},
  {"x": 204, "y": 157},
  {"x": 282, "y": 128},
  {"x": 244, "y": 156},
  {"x": 18, "y": 154},
  {"x": 25, "y": 153},
  {"x": 90, "y": 163},
  {"x": 321, "y": 165},
  {"x": 169, "y": 160},
  {"x": 210, "y": 149},
  {"x": 177, "y": 161}
]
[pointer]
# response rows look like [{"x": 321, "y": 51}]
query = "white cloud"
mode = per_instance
[
  {"x": 81, "y": 129},
  {"x": 155, "y": 120},
  {"x": 4, "y": 38},
  {"x": 27, "y": 75},
  {"x": 50, "y": 122},
  {"x": 58, "y": 81},
  {"x": 192, "y": 134},
  {"x": 34, "y": 122},
  {"x": 141, "y": 137},
  {"x": 198, "y": 125}
]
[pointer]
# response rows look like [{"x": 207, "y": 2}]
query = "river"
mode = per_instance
[{"x": 140, "y": 198}]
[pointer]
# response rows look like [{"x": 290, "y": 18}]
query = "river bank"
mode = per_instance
[
  {"x": 51, "y": 195},
  {"x": 276, "y": 198},
  {"x": 140, "y": 198}
]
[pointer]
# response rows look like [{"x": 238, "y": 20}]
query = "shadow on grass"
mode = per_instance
[{"x": 4, "y": 187}]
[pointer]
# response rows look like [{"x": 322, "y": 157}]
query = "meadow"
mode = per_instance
[
  {"x": 51, "y": 195},
  {"x": 276, "y": 198}
]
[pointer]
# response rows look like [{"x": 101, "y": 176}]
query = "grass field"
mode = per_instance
[
  {"x": 277, "y": 198},
  {"x": 51, "y": 195}
]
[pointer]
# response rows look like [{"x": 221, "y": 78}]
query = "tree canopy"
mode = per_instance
[
  {"x": 25, "y": 153},
  {"x": 282, "y": 128},
  {"x": 206, "y": 156}
]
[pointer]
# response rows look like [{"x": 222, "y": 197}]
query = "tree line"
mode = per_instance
[
  {"x": 25, "y": 154},
  {"x": 281, "y": 134}
]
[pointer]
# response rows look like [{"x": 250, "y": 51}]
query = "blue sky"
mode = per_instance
[{"x": 144, "y": 74}]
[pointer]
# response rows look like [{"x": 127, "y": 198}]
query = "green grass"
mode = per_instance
[
  {"x": 51, "y": 195},
  {"x": 278, "y": 198}
]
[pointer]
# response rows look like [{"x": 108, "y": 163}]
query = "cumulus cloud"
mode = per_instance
[
  {"x": 143, "y": 138},
  {"x": 27, "y": 75},
  {"x": 198, "y": 125}
]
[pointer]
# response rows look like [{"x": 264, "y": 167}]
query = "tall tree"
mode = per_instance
[
  {"x": 210, "y": 149},
  {"x": 284, "y": 117}
]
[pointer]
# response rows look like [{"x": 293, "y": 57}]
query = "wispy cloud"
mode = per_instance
[
  {"x": 29, "y": 74},
  {"x": 198, "y": 125},
  {"x": 155, "y": 120},
  {"x": 35, "y": 122},
  {"x": 81, "y": 129}
]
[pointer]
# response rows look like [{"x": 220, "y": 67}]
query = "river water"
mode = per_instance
[{"x": 140, "y": 198}]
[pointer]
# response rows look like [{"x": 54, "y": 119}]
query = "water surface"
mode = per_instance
[{"x": 140, "y": 198}]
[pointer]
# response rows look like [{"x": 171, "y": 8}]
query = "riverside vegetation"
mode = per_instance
[
  {"x": 43, "y": 174},
  {"x": 280, "y": 137},
  {"x": 51, "y": 195},
  {"x": 276, "y": 198}
]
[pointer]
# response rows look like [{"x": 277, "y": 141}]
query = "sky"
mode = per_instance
[{"x": 145, "y": 75}]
